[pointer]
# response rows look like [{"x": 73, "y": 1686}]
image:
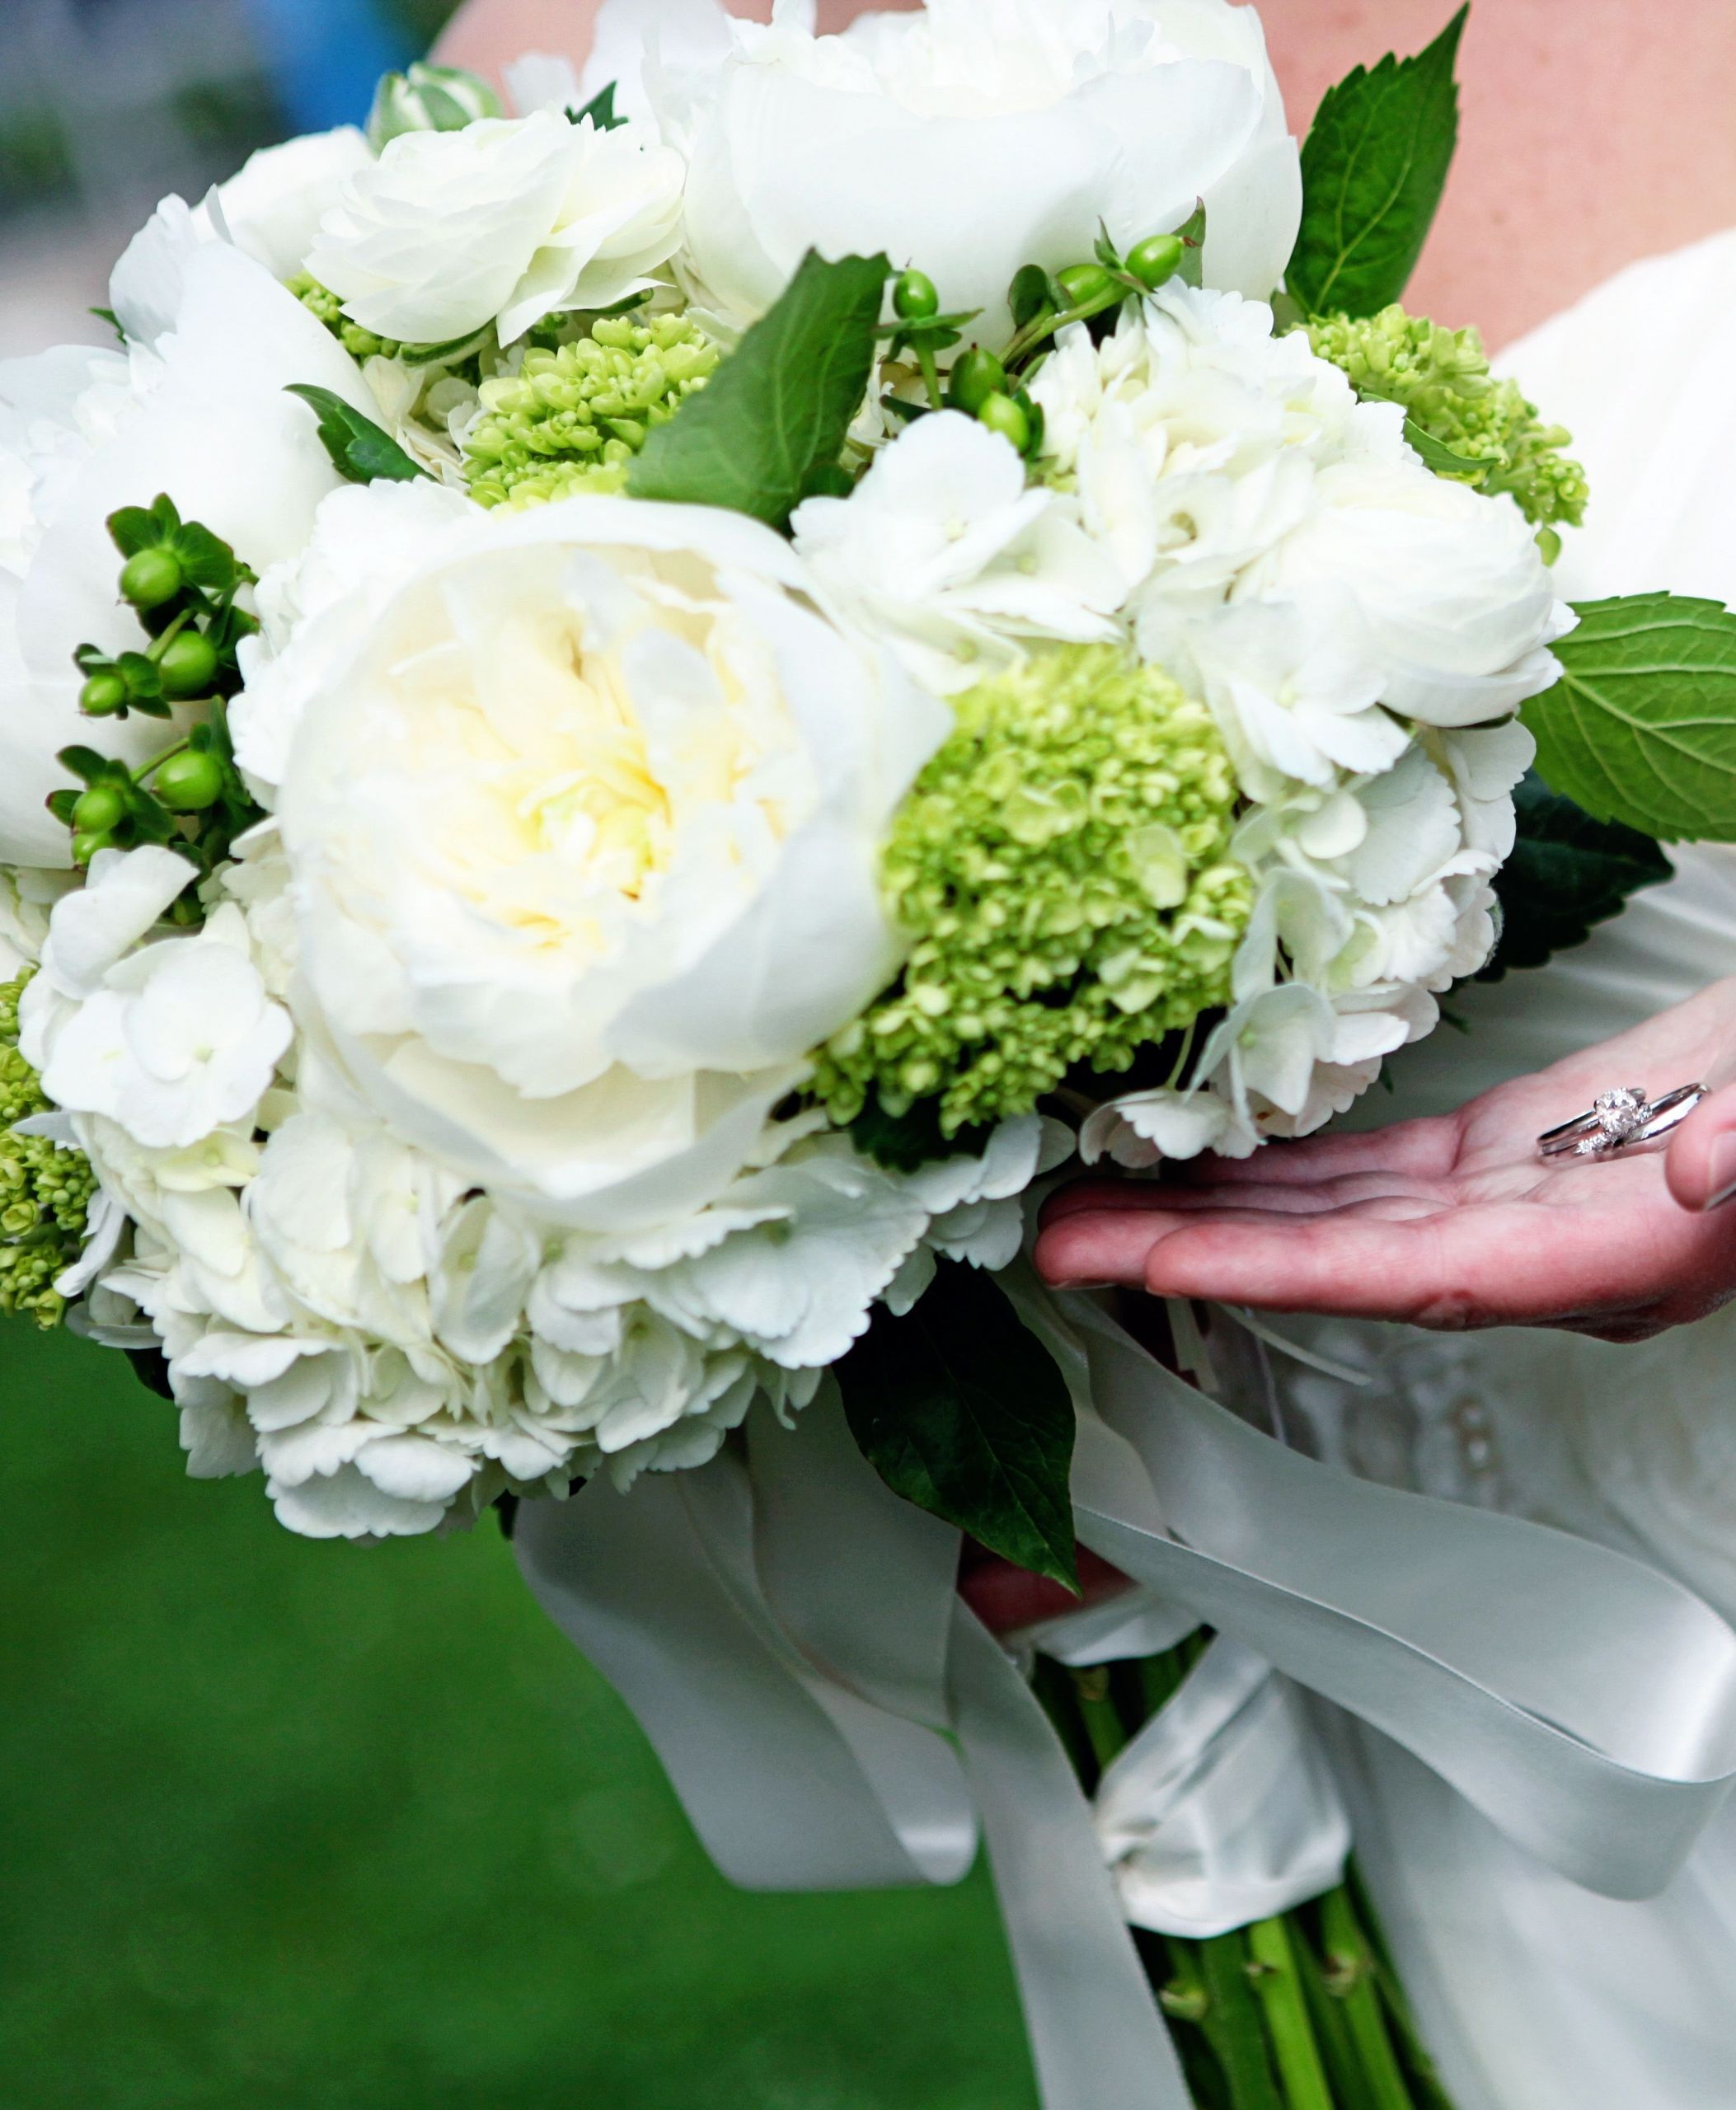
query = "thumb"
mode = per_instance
[{"x": 1701, "y": 1167}]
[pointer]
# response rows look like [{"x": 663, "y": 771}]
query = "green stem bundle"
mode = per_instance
[{"x": 1300, "y": 2012}]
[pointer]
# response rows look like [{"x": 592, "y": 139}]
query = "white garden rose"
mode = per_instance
[
  {"x": 943, "y": 548},
  {"x": 205, "y": 418},
  {"x": 584, "y": 845},
  {"x": 270, "y": 211},
  {"x": 1448, "y": 587},
  {"x": 505, "y": 222},
  {"x": 970, "y": 137}
]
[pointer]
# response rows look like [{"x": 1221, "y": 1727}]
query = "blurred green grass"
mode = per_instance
[{"x": 285, "y": 1825}]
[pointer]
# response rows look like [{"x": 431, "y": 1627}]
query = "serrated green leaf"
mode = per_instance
[
  {"x": 1435, "y": 455},
  {"x": 781, "y": 405},
  {"x": 1374, "y": 165},
  {"x": 360, "y": 450},
  {"x": 1567, "y": 872},
  {"x": 962, "y": 1411},
  {"x": 1641, "y": 727},
  {"x": 600, "y": 110}
]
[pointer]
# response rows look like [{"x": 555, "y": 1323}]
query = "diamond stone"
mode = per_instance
[{"x": 1620, "y": 1113}]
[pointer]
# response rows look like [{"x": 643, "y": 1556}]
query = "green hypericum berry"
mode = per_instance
[
  {"x": 976, "y": 376},
  {"x": 152, "y": 578},
  {"x": 914, "y": 297},
  {"x": 87, "y": 842},
  {"x": 103, "y": 695},
  {"x": 188, "y": 783},
  {"x": 1156, "y": 260},
  {"x": 188, "y": 664},
  {"x": 99, "y": 809},
  {"x": 1001, "y": 415},
  {"x": 1084, "y": 283}
]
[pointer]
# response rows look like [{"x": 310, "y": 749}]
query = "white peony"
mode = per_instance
[
  {"x": 505, "y": 222},
  {"x": 583, "y": 844},
  {"x": 203, "y": 417},
  {"x": 943, "y": 549},
  {"x": 970, "y": 137}
]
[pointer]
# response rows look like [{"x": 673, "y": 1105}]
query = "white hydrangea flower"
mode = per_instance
[
  {"x": 944, "y": 549},
  {"x": 505, "y": 222}
]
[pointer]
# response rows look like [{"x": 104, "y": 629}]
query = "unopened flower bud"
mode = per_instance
[
  {"x": 1156, "y": 260},
  {"x": 151, "y": 577},
  {"x": 1000, "y": 414},
  {"x": 103, "y": 695},
  {"x": 187, "y": 664},
  {"x": 914, "y": 299},
  {"x": 428, "y": 99},
  {"x": 976, "y": 376},
  {"x": 189, "y": 782}
]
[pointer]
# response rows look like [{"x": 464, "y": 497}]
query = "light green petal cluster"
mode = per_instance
[
  {"x": 324, "y": 306},
  {"x": 1441, "y": 378},
  {"x": 44, "y": 1191},
  {"x": 571, "y": 418},
  {"x": 1062, "y": 869}
]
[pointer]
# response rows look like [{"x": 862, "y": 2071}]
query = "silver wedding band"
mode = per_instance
[{"x": 1619, "y": 1119}]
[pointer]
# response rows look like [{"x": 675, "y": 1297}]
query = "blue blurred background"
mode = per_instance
[{"x": 285, "y": 1825}]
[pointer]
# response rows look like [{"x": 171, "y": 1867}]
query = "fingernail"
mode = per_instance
[{"x": 1722, "y": 1166}]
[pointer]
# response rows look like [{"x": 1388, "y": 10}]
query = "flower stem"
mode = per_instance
[{"x": 1279, "y": 1985}]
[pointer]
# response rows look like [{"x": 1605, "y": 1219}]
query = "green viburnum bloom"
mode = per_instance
[
  {"x": 1441, "y": 378},
  {"x": 572, "y": 417},
  {"x": 323, "y": 304},
  {"x": 1062, "y": 867},
  {"x": 44, "y": 1191}
]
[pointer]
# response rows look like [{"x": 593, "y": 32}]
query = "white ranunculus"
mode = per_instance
[
  {"x": 271, "y": 212},
  {"x": 583, "y": 841},
  {"x": 943, "y": 549},
  {"x": 205, "y": 419},
  {"x": 968, "y": 137},
  {"x": 505, "y": 222},
  {"x": 1450, "y": 589}
]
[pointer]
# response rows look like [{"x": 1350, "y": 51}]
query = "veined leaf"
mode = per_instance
[
  {"x": 359, "y": 449},
  {"x": 1373, "y": 165},
  {"x": 779, "y": 406},
  {"x": 962, "y": 1411},
  {"x": 1566, "y": 873},
  {"x": 1641, "y": 727}
]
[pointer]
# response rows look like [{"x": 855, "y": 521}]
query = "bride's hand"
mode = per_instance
[{"x": 1452, "y": 1222}]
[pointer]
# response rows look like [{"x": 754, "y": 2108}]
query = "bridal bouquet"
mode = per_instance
[{"x": 624, "y": 722}]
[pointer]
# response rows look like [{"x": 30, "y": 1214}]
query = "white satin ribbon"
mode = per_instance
[{"x": 789, "y": 1635}]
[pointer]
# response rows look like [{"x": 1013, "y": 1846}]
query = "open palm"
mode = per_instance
[{"x": 1450, "y": 1222}]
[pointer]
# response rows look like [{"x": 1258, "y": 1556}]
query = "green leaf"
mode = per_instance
[
  {"x": 1566, "y": 873},
  {"x": 1641, "y": 727},
  {"x": 600, "y": 110},
  {"x": 1030, "y": 294},
  {"x": 962, "y": 1411},
  {"x": 1437, "y": 456},
  {"x": 359, "y": 448},
  {"x": 906, "y": 1141},
  {"x": 1374, "y": 165},
  {"x": 108, "y": 315},
  {"x": 779, "y": 406}
]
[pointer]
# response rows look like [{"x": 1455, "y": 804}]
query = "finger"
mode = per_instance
[
  {"x": 1501, "y": 1264},
  {"x": 1700, "y": 1163},
  {"x": 1094, "y": 1248},
  {"x": 1093, "y": 1197}
]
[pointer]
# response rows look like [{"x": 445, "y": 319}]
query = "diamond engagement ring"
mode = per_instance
[{"x": 1616, "y": 1120}]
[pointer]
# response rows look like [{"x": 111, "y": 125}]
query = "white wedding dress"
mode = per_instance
[{"x": 1538, "y": 1995}]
